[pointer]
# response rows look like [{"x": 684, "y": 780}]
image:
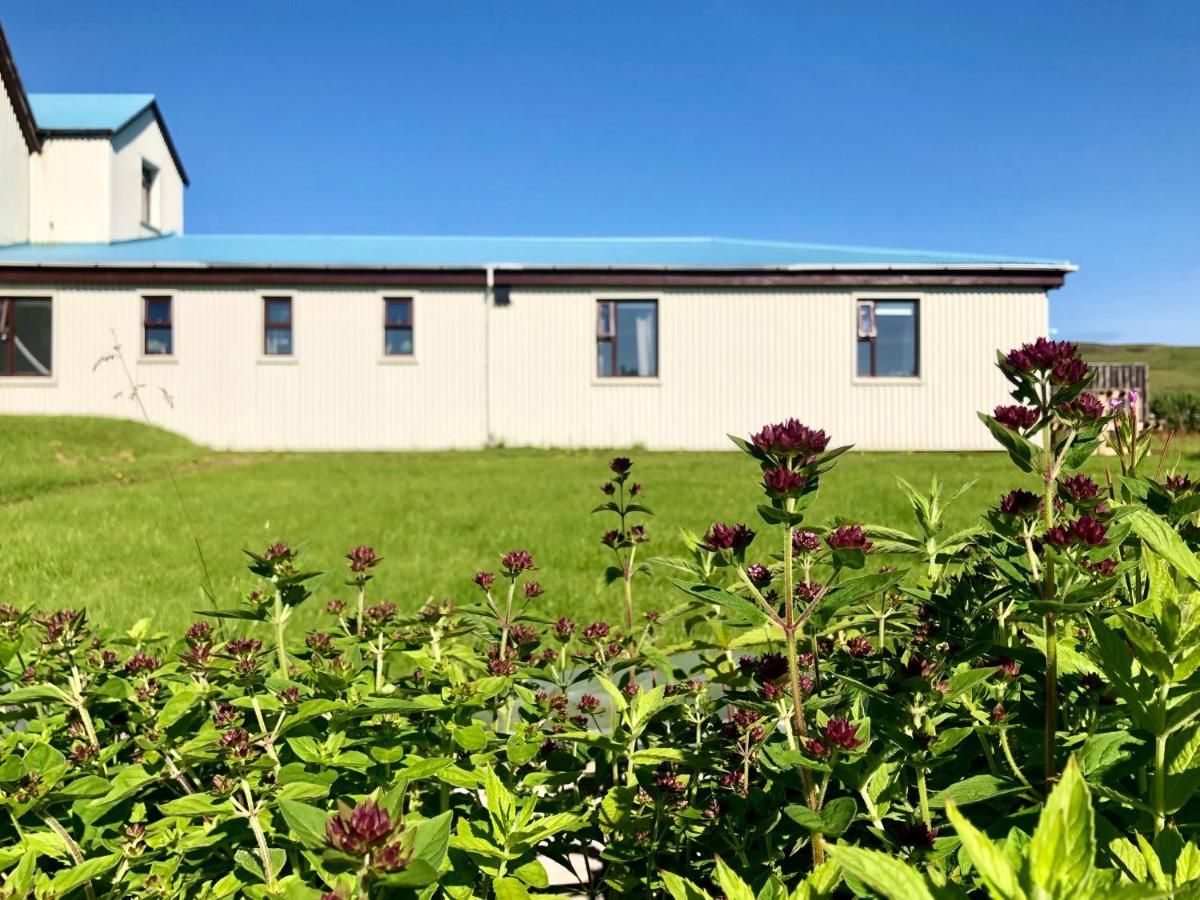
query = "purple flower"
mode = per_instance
[
  {"x": 485, "y": 580},
  {"x": 608, "y": 488},
  {"x": 360, "y": 831},
  {"x": 515, "y": 562},
  {"x": 524, "y": 634},
  {"x": 849, "y": 537},
  {"x": 278, "y": 553},
  {"x": 760, "y": 576},
  {"x": 860, "y": 646},
  {"x": 1079, "y": 488},
  {"x": 564, "y": 627},
  {"x": 597, "y": 631},
  {"x": 362, "y": 558},
  {"x": 532, "y": 589},
  {"x": 841, "y": 734},
  {"x": 1059, "y": 536},
  {"x": 1089, "y": 531},
  {"x": 1085, "y": 407},
  {"x": 1020, "y": 503},
  {"x": 783, "y": 481},
  {"x": 140, "y": 662},
  {"x": 638, "y": 534},
  {"x": 588, "y": 704},
  {"x": 1016, "y": 418},
  {"x": 805, "y": 542},
  {"x": 728, "y": 537},
  {"x": 771, "y": 667},
  {"x": 620, "y": 465},
  {"x": 790, "y": 438},
  {"x": 1179, "y": 484},
  {"x": 610, "y": 538},
  {"x": 198, "y": 633}
]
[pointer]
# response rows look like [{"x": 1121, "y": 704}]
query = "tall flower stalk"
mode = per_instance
[{"x": 625, "y": 539}]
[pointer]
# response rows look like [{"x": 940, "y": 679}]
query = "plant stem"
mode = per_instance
[
  {"x": 1012, "y": 762},
  {"x": 68, "y": 842},
  {"x": 263, "y": 850},
  {"x": 923, "y": 796},
  {"x": 358, "y": 623},
  {"x": 629, "y": 590},
  {"x": 1051, "y": 723},
  {"x": 512, "y": 587},
  {"x": 1160, "y": 768},
  {"x": 279, "y": 622}
]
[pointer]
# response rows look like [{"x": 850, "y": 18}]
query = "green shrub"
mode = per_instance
[
  {"x": 826, "y": 712},
  {"x": 1179, "y": 411}
]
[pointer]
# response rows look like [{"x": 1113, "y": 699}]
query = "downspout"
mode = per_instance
[{"x": 488, "y": 292}]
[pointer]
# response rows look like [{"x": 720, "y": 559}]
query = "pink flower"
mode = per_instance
[
  {"x": 849, "y": 537},
  {"x": 841, "y": 734},
  {"x": 728, "y": 537}
]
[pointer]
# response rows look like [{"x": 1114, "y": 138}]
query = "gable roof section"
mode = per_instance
[
  {"x": 17, "y": 96},
  {"x": 97, "y": 115},
  {"x": 398, "y": 259}
]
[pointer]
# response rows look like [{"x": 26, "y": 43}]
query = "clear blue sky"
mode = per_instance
[{"x": 1047, "y": 129}]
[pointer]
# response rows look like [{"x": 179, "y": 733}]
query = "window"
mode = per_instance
[
  {"x": 159, "y": 340},
  {"x": 149, "y": 176},
  {"x": 277, "y": 326},
  {"x": 627, "y": 338},
  {"x": 887, "y": 339},
  {"x": 25, "y": 336},
  {"x": 397, "y": 326}
]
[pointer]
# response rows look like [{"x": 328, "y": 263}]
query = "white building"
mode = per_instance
[{"x": 403, "y": 342}]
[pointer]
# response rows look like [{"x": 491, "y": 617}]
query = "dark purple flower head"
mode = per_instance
[
  {"x": 805, "y": 542},
  {"x": 635, "y": 489},
  {"x": 597, "y": 631},
  {"x": 484, "y": 580},
  {"x": 236, "y": 742},
  {"x": 1079, "y": 488},
  {"x": 608, "y": 488},
  {"x": 610, "y": 538},
  {"x": 1084, "y": 408},
  {"x": 532, "y": 589},
  {"x": 849, "y": 537},
  {"x": 524, "y": 634},
  {"x": 1042, "y": 355},
  {"x": 747, "y": 662},
  {"x": 564, "y": 627},
  {"x": 808, "y": 591},
  {"x": 1179, "y": 484},
  {"x": 199, "y": 633},
  {"x": 816, "y": 749},
  {"x": 771, "y": 667},
  {"x": 916, "y": 835},
  {"x": 197, "y": 656},
  {"x": 362, "y": 558},
  {"x": 335, "y": 607},
  {"x": 1020, "y": 503},
  {"x": 841, "y": 734},
  {"x": 278, "y": 553},
  {"x": 1068, "y": 371},
  {"x": 501, "y": 667},
  {"x": 379, "y": 614},
  {"x": 588, "y": 704},
  {"x": 515, "y": 562},
  {"x": 860, "y": 646},
  {"x": 318, "y": 641},
  {"x": 637, "y": 534},
  {"x": 1009, "y": 668},
  {"x": 760, "y": 576},
  {"x": 998, "y": 714},
  {"x": 784, "y": 482},
  {"x": 365, "y": 829},
  {"x": 620, "y": 464},
  {"x": 728, "y": 537},
  {"x": 1059, "y": 536},
  {"x": 790, "y": 438},
  {"x": 141, "y": 662},
  {"x": 1016, "y": 418},
  {"x": 1089, "y": 531},
  {"x": 243, "y": 646}
]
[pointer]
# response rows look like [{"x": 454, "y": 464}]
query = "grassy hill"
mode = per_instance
[{"x": 1171, "y": 368}]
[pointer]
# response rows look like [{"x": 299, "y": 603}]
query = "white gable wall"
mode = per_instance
[
  {"x": 14, "y": 174},
  {"x": 143, "y": 140},
  {"x": 70, "y": 190},
  {"x": 730, "y": 360}
]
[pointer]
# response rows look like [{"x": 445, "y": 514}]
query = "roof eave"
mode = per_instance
[{"x": 16, "y": 92}]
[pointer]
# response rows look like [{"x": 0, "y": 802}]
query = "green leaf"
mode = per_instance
[
  {"x": 838, "y": 814},
  {"x": 1165, "y": 541},
  {"x": 883, "y": 873},
  {"x": 509, "y": 889},
  {"x": 972, "y": 790},
  {"x": 1020, "y": 450},
  {"x": 994, "y": 870},
  {"x": 1063, "y": 848},
  {"x": 431, "y": 839},
  {"x": 733, "y": 886},
  {"x": 680, "y": 888},
  {"x": 743, "y": 610},
  {"x": 86, "y": 871},
  {"x": 305, "y": 823},
  {"x": 1101, "y": 752},
  {"x": 195, "y": 805}
]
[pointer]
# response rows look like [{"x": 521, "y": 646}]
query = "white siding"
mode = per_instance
[
  {"x": 143, "y": 140},
  {"x": 729, "y": 361},
  {"x": 14, "y": 175},
  {"x": 70, "y": 190},
  {"x": 732, "y": 360}
]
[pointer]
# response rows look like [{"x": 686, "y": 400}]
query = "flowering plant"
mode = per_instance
[{"x": 833, "y": 708}]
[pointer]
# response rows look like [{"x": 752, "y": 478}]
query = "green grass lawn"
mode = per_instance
[
  {"x": 89, "y": 516},
  {"x": 1171, "y": 368}
]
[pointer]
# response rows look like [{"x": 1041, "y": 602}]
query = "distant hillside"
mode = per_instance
[{"x": 1171, "y": 368}]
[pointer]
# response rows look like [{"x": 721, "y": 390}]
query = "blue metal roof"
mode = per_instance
[
  {"x": 473, "y": 252},
  {"x": 86, "y": 112}
]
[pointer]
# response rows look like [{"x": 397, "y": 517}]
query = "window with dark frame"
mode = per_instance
[
  {"x": 149, "y": 175},
  {"x": 157, "y": 325},
  {"x": 25, "y": 336},
  {"x": 277, "y": 326},
  {"x": 627, "y": 338},
  {"x": 398, "y": 326},
  {"x": 888, "y": 339}
]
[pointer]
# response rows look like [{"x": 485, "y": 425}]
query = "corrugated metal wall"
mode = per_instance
[
  {"x": 14, "y": 175},
  {"x": 729, "y": 361}
]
